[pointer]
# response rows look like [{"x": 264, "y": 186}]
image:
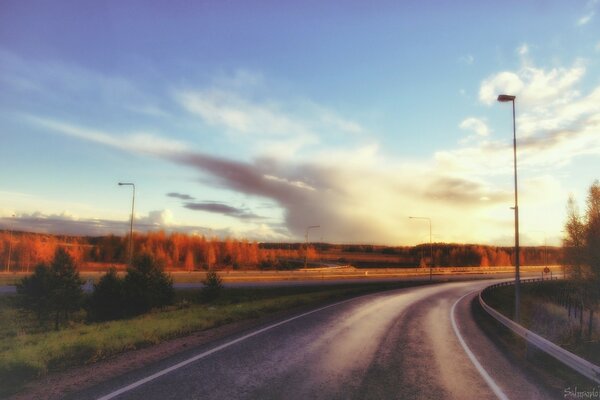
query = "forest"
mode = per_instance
[{"x": 22, "y": 251}]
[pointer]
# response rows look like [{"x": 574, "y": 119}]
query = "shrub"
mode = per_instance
[{"x": 213, "y": 285}]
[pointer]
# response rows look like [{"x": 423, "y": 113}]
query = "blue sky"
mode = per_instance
[{"x": 257, "y": 119}]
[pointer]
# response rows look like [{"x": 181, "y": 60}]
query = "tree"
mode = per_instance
[
  {"x": 146, "y": 285},
  {"x": 213, "y": 285},
  {"x": 582, "y": 252},
  {"x": 34, "y": 291},
  {"x": 592, "y": 232},
  {"x": 108, "y": 300},
  {"x": 574, "y": 255},
  {"x": 53, "y": 290}
]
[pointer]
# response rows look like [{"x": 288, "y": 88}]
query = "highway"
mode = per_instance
[{"x": 413, "y": 343}]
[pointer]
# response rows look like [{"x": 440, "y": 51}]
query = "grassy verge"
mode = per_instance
[
  {"x": 547, "y": 318},
  {"x": 539, "y": 366},
  {"x": 28, "y": 351}
]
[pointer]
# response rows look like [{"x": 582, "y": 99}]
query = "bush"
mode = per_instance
[
  {"x": 213, "y": 285},
  {"x": 107, "y": 301},
  {"x": 146, "y": 286}
]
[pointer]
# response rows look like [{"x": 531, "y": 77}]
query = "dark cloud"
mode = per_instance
[
  {"x": 462, "y": 191},
  {"x": 181, "y": 196},
  {"x": 221, "y": 208},
  {"x": 65, "y": 225},
  {"x": 309, "y": 194}
]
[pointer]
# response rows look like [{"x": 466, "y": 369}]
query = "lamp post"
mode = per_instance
[
  {"x": 306, "y": 238},
  {"x": 430, "y": 245},
  {"x": 131, "y": 222},
  {"x": 9, "y": 247},
  {"x": 504, "y": 98}
]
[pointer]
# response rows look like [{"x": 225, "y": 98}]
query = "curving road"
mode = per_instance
[{"x": 405, "y": 344}]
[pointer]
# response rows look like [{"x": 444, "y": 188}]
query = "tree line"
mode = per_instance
[
  {"x": 193, "y": 252},
  {"x": 581, "y": 293}
]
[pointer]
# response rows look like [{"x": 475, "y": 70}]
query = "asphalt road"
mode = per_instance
[
  {"x": 88, "y": 286},
  {"x": 401, "y": 344}
]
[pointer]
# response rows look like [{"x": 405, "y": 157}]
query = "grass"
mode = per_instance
[
  {"x": 28, "y": 351},
  {"x": 539, "y": 366},
  {"x": 548, "y": 319}
]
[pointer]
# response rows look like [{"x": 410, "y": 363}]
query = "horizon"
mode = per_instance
[{"x": 258, "y": 121}]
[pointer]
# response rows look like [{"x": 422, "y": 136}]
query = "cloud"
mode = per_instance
[
  {"x": 69, "y": 86},
  {"x": 523, "y": 49},
  {"x": 463, "y": 191},
  {"x": 221, "y": 208},
  {"x": 467, "y": 59},
  {"x": 180, "y": 196},
  {"x": 139, "y": 142},
  {"x": 476, "y": 125},
  {"x": 534, "y": 86},
  {"x": 271, "y": 128},
  {"x": 584, "y": 20},
  {"x": 66, "y": 223}
]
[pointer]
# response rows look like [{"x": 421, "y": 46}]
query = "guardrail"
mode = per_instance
[{"x": 584, "y": 367}]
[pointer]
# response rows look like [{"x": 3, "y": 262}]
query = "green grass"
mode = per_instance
[
  {"x": 548, "y": 319},
  {"x": 28, "y": 351}
]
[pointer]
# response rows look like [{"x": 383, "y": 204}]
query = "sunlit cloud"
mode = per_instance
[
  {"x": 138, "y": 142},
  {"x": 534, "y": 86},
  {"x": 476, "y": 125}
]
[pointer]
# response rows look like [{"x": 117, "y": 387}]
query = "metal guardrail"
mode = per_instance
[{"x": 569, "y": 359}]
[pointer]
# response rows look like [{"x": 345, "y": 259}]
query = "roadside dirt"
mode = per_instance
[{"x": 57, "y": 385}]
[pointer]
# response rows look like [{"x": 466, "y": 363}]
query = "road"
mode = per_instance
[
  {"x": 403, "y": 344},
  {"x": 88, "y": 286}
]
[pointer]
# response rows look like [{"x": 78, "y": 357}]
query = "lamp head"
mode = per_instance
[{"x": 506, "y": 97}]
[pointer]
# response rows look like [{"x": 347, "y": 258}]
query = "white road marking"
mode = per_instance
[
  {"x": 209, "y": 352},
  {"x": 486, "y": 377}
]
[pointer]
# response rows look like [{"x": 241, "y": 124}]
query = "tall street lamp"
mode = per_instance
[
  {"x": 306, "y": 238},
  {"x": 430, "y": 245},
  {"x": 131, "y": 223},
  {"x": 9, "y": 246},
  {"x": 504, "y": 98}
]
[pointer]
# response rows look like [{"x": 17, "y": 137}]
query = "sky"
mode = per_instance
[{"x": 257, "y": 119}]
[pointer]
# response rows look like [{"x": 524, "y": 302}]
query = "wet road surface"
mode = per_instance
[{"x": 393, "y": 345}]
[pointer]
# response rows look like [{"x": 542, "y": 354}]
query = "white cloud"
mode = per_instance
[
  {"x": 503, "y": 82},
  {"x": 272, "y": 128},
  {"x": 584, "y": 20},
  {"x": 534, "y": 86},
  {"x": 523, "y": 49},
  {"x": 467, "y": 59},
  {"x": 140, "y": 142},
  {"x": 476, "y": 125}
]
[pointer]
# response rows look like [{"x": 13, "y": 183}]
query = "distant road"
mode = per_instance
[
  {"x": 11, "y": 289},
  {"x": 413, "y": 343}
]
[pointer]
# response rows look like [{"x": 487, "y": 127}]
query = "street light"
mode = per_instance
[
  {"x": 306, "y": 238},
  {"x": 504, "y": 98},
  {"x": 545, "y": 246},
  {"x": 430, "y": 245},
  {"x": 131, "y": 223},
  {"x": 9, "y": 246}
]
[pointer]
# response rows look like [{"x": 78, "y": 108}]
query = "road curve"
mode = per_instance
[{"x": 397, "y": 344}]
